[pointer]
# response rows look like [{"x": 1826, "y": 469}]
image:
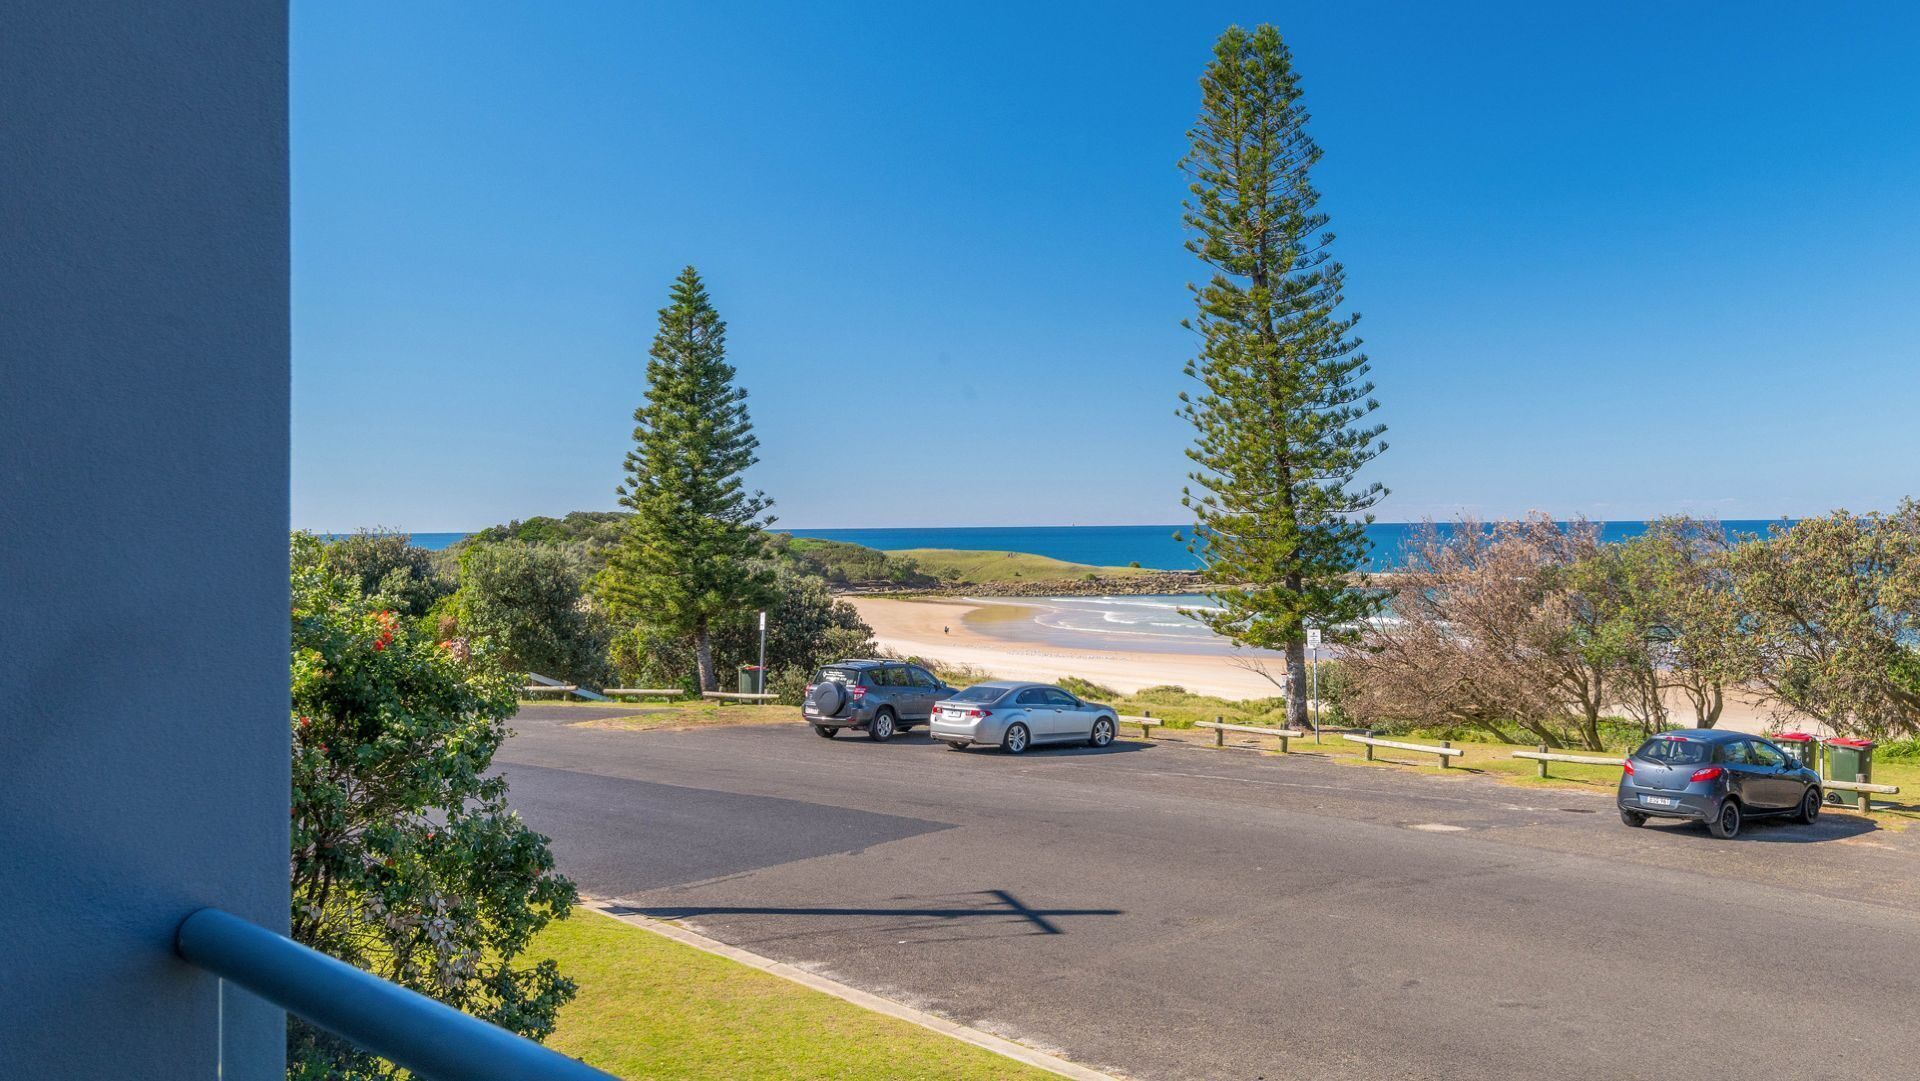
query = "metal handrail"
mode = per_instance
[{"x": 430, "y": 1038}]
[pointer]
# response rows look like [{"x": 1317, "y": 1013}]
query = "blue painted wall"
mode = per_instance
[{"x": 143, "y": 516}]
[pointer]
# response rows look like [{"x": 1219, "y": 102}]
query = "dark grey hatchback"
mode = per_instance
[{"x": 1720, "y": 778}]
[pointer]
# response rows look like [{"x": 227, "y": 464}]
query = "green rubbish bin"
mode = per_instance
[
  {"x": 749, "y": 679},
  {"x": 1848, "y": 760}
]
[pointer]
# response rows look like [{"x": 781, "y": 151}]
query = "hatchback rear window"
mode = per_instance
[
  {"x": 1675, "y": 752},
  {"x": 979, "y": 694},
  {"x": 837, "y": 675}
]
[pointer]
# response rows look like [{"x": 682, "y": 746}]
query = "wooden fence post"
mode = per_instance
[
  {"x": 1219, "y": 734},
  {"x": 1866, "y": 804},
  {"x": 1446, "y": 761},
  {"x": 1146, "y": 732},
  {"x": 1543, "y": 762},
  {"x": 1283, "y": 741}
]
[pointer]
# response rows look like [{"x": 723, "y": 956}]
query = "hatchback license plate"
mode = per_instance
[{"x": 1657, "y": 801}]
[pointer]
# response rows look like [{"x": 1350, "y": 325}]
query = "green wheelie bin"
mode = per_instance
[{"x": 1848, "y": 759}]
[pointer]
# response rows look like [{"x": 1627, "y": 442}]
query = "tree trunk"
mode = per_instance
[
  {"x": 703, "y": 657},
  {"x": 1297, "y": 685}
]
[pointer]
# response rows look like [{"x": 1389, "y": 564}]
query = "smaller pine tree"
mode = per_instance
[{"x": 689, "y": 560}]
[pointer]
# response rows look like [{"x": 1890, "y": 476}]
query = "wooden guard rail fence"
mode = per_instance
[
  {"x": 1544, "y": 756},
  {"x": 735, "y": 696},
  {"x": 1447, "y": 751},
  {"x": 1221, "y": 728}
]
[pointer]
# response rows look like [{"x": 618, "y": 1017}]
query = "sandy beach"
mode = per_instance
[{"x": 937, "y": 629}]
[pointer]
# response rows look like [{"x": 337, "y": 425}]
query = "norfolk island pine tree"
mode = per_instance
[
  {"x": 690, "y": 557},
  {"x": 1279, "y": 525}
]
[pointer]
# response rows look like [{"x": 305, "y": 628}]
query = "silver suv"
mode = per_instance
[{"x": 882, "y": 697}]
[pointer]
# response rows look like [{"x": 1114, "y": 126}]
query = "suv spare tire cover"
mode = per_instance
[{"x": 826, "y": 697}]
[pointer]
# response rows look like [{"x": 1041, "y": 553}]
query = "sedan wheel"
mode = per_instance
[
  {"x": 1102, "y": 733},
  {"x": 1727, "y": 825},
  {"x": 1810, "y": 807},
  {"x": 1015, "y": 741},
  {"x": 1633, "y": 818},
  {"x": 825, "y": 731},
  {"x": 880, "y": 729}
]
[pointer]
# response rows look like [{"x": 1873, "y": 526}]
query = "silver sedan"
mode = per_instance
[{"x": 1015, "y": 716}]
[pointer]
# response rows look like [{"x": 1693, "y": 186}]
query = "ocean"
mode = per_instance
[
  {"x": 1108, "y": 545},
  {"x": 433, "y": 542},
  {"x": 1149, "y": 545}
]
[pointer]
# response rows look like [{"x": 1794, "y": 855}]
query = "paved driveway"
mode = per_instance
[{"x": 1176, "y": 912}]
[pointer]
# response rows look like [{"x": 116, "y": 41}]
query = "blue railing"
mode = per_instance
[{"x": 430, "y": 1038}]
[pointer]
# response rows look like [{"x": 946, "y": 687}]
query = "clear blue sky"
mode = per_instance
[{"x": 1620, "y": 260}]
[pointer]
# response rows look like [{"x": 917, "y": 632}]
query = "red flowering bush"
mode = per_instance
[{"x": 406, "y": 860}]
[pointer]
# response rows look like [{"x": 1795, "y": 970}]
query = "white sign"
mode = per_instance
[
  {"x": 763, "y": 621},
  {"x": 1313, "y": 638}
]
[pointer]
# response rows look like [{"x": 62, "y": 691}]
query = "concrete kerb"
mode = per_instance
[{"x": 864, "y": 999}]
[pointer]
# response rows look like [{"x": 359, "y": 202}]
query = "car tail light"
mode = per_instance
[
  {"x": 977, "y": 712},
  {"x": 809, "y": 689},
  {"x": 1706, "y": 774},
  {"x": 1627, "y": 764},
  {"x": 859, "y": 693}
]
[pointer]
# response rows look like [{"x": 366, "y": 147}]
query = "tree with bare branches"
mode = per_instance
[{"x": 1486, "y": 633}]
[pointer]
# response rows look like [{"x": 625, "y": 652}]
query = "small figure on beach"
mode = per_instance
[{"x": 943, "y": 630}]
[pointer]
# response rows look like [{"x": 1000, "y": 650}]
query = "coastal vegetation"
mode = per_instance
[
  {"x": 385, "y": 564},
  {"x": 528, "y": 600},
  {"x": 955, "y": 567},
  {"x": 406, "y": 860},
  {"x": 1281, "y": 414},
  {"x": 1536, "y": 628}
]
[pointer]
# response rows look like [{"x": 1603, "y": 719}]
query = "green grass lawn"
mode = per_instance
[
  {"x": 697, "y": 713},
  {"x": 650, "y": 1007},
  {"x": 967, "y": 567}
]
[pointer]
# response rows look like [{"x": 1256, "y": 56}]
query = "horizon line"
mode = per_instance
[{"x": 782, "y": 528}]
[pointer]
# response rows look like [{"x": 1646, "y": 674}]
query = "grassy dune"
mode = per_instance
[{"x": 987, "y": 567}]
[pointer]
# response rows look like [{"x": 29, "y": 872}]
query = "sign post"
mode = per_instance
[
  {"x": 760, "y": 685},
  {"x": 1313, "y": 670}
]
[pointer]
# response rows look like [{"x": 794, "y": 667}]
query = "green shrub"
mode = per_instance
[
  {"x": 405, "y": 578},
  {"x": 1899, "y": 750},
  {"x": 528, "y": 600},
  {"x": 1082, "y": 688},
  {"x": 954, "y": 675},
  {"x": 406, "y": 859},
  {"x": 807, "y": 626}
]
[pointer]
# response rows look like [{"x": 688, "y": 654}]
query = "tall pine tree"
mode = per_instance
[
  {"x": 689, "y": 561},
  {"x": 1283, "y": 399}
]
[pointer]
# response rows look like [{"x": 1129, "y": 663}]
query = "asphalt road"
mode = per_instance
[{"x": 1165, "y": 911}]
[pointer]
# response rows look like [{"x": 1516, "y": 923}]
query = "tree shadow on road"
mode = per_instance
[{"x": 991, "y": 904}]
